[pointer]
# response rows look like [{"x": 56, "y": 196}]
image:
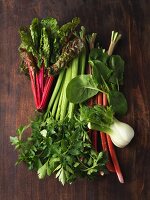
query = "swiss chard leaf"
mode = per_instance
[
  {"x": 50, "y": 24},
  {"x": 35, "y": 30},
  {"x": 81, "y": 88},
  {"x": 118, "y": 102},
  {"x": 27, "y": 42},
  {"x": 45, "y": 47},
  {"x": 67, "y": 28}
]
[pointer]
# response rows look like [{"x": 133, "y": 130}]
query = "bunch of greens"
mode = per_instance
[
  {"x": 45, "y": 40},
  {"x": 45, "y": 49},
  {"x": 60, "y": 147},
  {"x": 59, "y": 141},
  {"x": 107, "y": 75}
]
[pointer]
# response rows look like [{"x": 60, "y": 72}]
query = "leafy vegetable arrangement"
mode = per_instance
[
  {"x": 46, "y": 48},
  {"x": 85, "y": 100}
]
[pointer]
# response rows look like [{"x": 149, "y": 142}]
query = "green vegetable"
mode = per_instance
[
  {"x": 49, "y": 43},
  {"x": 118, "y": 102},
  {"x": 60, "y": 147},
  {"x": 100, "y": 71},
  {"x": 102, "y": 119},
  {"x": 98, "y": 115},
  {"x": 81, "y": 88}
]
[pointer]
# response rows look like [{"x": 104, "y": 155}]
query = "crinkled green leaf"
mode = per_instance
[{"x": 35, "y": 30}]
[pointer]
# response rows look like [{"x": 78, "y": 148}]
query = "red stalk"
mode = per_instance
[
  {"x": 38, "y": 90},
  {"x": 46, "y": 92},
  {"x": 41, "y": 79},
  {"x": 109, "y": 165},
  {"x": 114, "y": 159},
  {"x": 33, "y": 87},
  {"x": 94, "y": 134},
  {"x": 112, "y": 150}
]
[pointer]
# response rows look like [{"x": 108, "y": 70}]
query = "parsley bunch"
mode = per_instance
[{"x": 60, "y": 147}]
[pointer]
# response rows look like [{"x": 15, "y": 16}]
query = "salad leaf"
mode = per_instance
[
  {"x": 81, "y": 88},
  {"x": 100, "y": 71},
  {"x": 118, "y": 102},
  {"x": 117, "y": 65},
  {"x": 98, "y": 54}
]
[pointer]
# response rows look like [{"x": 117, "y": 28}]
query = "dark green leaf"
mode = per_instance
[
  {"x": 118, "y": 102},
  {"x": 101, "y": 72},
  {"x": 98, "y": 54},
  {"x": 117, "y": 65}
]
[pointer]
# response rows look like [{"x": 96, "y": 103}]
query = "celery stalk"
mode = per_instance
[
  {"x": 56, "y": 89},
  {"x": 74, "y": 73},
  {"x": 56, "y": 102},
  {"x": 82, "y": 61},
  {"x": 65, "y": 101}
]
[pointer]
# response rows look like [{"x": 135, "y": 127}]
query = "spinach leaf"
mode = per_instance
[
  {"x": 117, "y": 65},
  {"x": 81, "y": 88},
  {"x": 98, "y": 54},
  {"x": 100, "y": 71},
  {"x": 118, "y": 102}
]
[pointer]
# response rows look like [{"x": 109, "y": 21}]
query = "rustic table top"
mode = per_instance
[{"x": 132, "y": 19}]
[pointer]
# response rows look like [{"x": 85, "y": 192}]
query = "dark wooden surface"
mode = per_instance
[{"x": 131, "y": 18}]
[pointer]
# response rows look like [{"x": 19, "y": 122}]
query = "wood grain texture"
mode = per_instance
[{"x": 132, "y": 19}]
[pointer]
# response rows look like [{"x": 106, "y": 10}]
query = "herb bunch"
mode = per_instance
[{"x": 60, "y": 147}]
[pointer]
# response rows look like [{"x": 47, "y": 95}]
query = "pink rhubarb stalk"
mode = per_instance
[
  {"x": 112, "y": 150},
  {"x": 109, "y": 165}
]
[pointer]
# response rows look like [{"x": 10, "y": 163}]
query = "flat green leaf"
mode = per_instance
[
  {"x": 81, "y": 88},
  {"x": 118, "y": 102},
  {"x": 100, "y": 71},
  {"x": 117, "y": 65}
]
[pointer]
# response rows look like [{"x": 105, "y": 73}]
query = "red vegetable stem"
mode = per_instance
[
  {"x": 112, "y": 150},
  {"x": 38, "y": 90},
  {"x": 33, "y": 87},
  {"x": 41, "y": 79},
  {"x": 46, "y": 92},
  {"x": 109, "y": 165},
  {"x": 114, "y": 159}
]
